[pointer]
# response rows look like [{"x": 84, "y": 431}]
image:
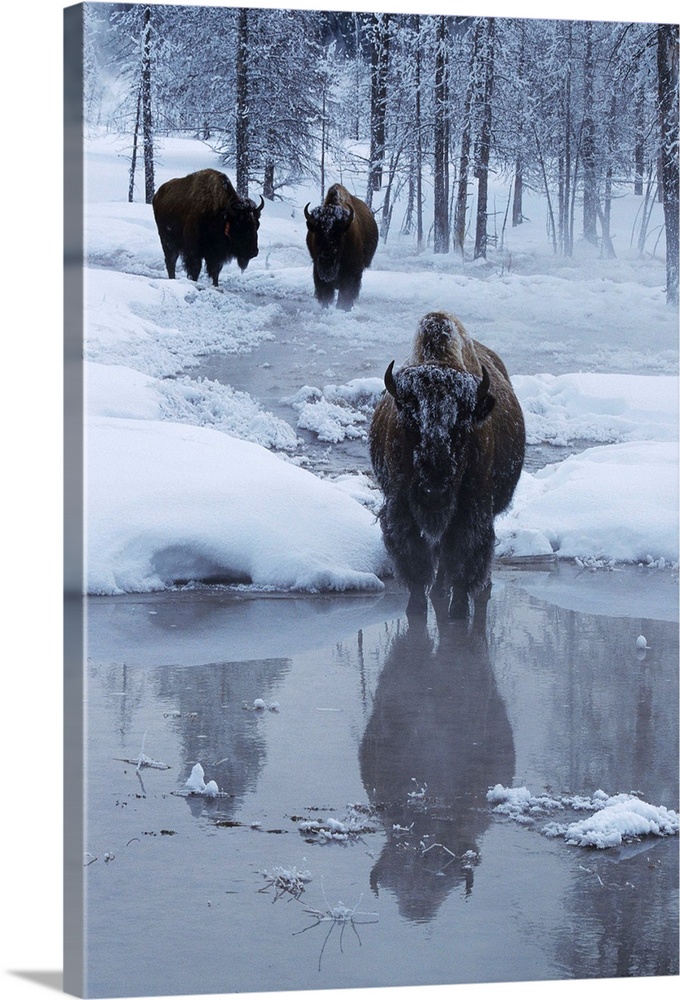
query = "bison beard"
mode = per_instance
[
  {"x": 202, "y": 218},
  {"x": 342, "y": 237},
  {"x": 447, "y": 446}
]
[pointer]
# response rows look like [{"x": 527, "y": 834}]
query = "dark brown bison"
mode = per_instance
[
  {"x": 342, "y": 237},
  {"x": 447, "y": 445},
  {"x": 202, "y": 218}
]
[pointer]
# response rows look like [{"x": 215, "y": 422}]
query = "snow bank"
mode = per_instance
[
  {"x": 598, "y": 408},
  {"x": 168, "y": 502},
  {"x": 625, "y": 817},
  {"x": 615, "y": 819},
  {"x": 616, "y": 502},
  {"x": 117, "y": 391}
]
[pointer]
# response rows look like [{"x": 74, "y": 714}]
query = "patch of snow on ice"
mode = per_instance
[{"x": 615, "y": 819}]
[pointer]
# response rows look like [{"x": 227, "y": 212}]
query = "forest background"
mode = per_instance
[
  {"x": 573, "y": 109},
  {"x": 32, "y": 402}
]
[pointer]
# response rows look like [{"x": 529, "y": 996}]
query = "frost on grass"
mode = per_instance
[
  {"x": 358, "y": 820},
  {"x": 616, "y": 819},
  {"x": 141, "y": 760},
  {"x": 338, "y": 915},
  {"x": 286, "y": 881}
]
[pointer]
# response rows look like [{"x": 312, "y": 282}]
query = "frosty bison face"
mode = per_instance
[
  {"x": 241, "y": 226},
  {"x": 437, "y": 409},
  {"x": 328, "y": 223}
]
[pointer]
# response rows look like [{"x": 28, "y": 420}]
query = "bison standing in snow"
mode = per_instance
[
  {"x": 447, "y": 445},
  {"x": 342, "y": 237},
  {"x": 202, "y": 218}
]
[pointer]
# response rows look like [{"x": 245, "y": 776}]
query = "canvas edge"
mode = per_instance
[{"x": 74, "y": 681}]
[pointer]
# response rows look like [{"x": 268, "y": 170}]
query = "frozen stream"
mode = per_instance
[
  {"x": 302, "y": 353},
  {"x": 413, "y": 725}
]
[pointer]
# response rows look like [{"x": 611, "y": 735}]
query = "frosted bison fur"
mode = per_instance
[
  {"x": 447, "y": 445},
  {"x": 202, "y": 218},
  {"x": 342, "y": 237}
]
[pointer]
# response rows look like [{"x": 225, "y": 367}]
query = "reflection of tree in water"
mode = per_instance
[
  {"x": 227, "y": 740},
  {"x": 592, "y": 715},
  {"x": 623, "y": 913},
  {"x": 204, "y": 706},
  {"x": 590, "y": 710},
  {"x": 437, "y": 718}
]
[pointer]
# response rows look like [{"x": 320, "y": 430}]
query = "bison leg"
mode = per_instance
[
  {"x": 412, "y": 556},
  {"x": 213, "y": 266},
  {"x": 465, "y": 564},
  {"x": 348, "y": 291},
  {"x": 323, "y": 290},
  {"x": 171, "y": 253},
  {"x": 192, "y": 264}
]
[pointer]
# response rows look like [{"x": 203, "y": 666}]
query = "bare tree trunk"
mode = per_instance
[
  {"x": 517, "y": 212},
  {"x": 482, "y": 167},
  {"x": 135, "y": 141},
  {"x": 667, "y": 67},
  {"x": 588, "y": 143},
  {"x": 441, "y": 143},
  {"x": 566, "y": 219},
  {"x": 242, "y": 152},
  {"x": 639, "y": 131},
  {"x": 380, "y": 49},
  {"x": 605, "y": 218},
  {"x": 268, "y": 181},
  {"x": 147, "y": 122},
  {"x": 419, "y": 149},
  {"x": 460, "y": 209},
  {"x": 323, "y": 144}
]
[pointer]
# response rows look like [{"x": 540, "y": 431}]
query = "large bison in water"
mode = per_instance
[
  {"x": 342, "y": 237},
  {"x": 447, "y": 445},
  {"x": 202, "y": 218}
]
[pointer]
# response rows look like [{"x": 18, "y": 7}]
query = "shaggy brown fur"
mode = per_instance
[
  {"x": 342, "y": 237},
  {"x": 447, "y": 445},
  {"x": 202, "y": 218}
]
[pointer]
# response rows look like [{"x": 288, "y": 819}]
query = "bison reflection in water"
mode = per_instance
[
  {"x": 447, "y": 446},
  {"x": 342, "y": 237},
  {"x": 202, "y": 218},
  {"x": 437, "y": 718}
]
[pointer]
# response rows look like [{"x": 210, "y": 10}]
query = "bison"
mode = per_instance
[
  {"x": 447, "y": 446},
  {"x": 342, "y": 237},
  {"x": 202, "y": 218}
]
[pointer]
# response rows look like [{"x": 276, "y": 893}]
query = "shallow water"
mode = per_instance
[{"x": 411, "y": 722}]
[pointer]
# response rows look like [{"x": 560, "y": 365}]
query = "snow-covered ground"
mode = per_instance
[{"x": 188, "y": 478}]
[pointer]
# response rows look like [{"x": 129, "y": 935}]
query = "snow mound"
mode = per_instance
[
  {"x": 337, "y": 412},
  {"x": 615, "y": 820},
  {"x": 625, "y": 817},
  {"x": 618, "y": 502},
  {"x": 560, "y": 409},
  {"x": 169, "y": 503}
]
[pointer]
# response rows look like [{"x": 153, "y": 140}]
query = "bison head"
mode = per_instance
[
  {"x": 241, "y": 224},
  {"x": 328, "y": 224},
  {"x": 438, "y": 410}
]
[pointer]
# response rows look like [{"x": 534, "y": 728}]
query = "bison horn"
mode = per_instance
[
  {"x": 390, "y": 384},
  {"x": 260, "y": 207},
  {"x": 485, "y": 399},
  {"x": 306, "y": 211}
]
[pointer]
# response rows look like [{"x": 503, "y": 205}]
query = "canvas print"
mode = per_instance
[{"x": 371, "y": 370}]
